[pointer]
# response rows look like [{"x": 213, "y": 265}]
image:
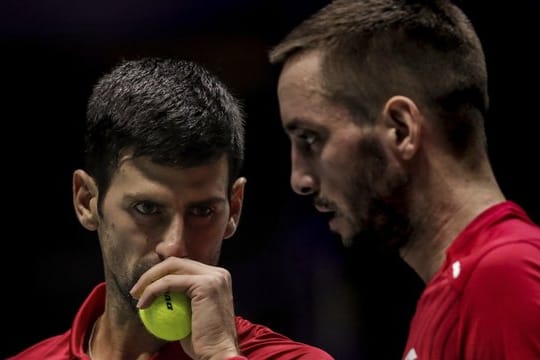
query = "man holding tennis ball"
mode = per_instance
[{"x": 161, "y": 188}]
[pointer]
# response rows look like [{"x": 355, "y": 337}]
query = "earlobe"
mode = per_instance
[
  {"x": 404, "y": 121},
  {"x": 85, "y": 194},
  {"x": 236, "y": 202}
]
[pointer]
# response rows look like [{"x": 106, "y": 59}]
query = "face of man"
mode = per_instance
[
  {"x": 347, "y": 167},
  {"x": 151, "y": 212}
]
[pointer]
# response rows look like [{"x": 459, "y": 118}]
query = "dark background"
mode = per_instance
[{"x": 289, "y": 272}]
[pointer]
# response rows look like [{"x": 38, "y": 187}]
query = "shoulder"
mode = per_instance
[
  {"x": 260, "y": 342},
  {"x": 500, "y": 304},
  {"x": 506, "y": 276},
  {"x": 54, "y": 348},
  {"x": 509, "y": 265}
]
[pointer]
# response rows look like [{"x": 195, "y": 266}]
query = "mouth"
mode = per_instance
[
  {"x": 323, "y": 205},
  {"x": 329, "y": 216},
  {"x": 327, "y": 208},
  {"x": 329, "y": 211}
]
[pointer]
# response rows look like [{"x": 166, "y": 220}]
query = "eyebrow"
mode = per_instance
[
  {"x": 303, "y": 124},
  {"x": 293, "y": 125},
  {"x": 210, "y": 201},
  {"x": 204, "y": 202}
]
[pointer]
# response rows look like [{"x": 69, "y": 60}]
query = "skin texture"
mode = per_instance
[
  {"x": 385, "y": 103},
  {"x": 153, "y": 218},
  {"x": 390, "y": 180},
  {"x": 162, "y": 188},
  {"x": 325, "y": 144}
]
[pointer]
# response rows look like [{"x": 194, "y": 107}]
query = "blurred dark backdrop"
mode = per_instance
[{"x": 289, "y": 272}]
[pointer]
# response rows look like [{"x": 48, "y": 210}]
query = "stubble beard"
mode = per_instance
[{"x": 378, "y": 212}]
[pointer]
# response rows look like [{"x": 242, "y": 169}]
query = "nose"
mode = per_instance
[
  {"x": 173, "y": 240},
  {"x": 302, "y": 179}
]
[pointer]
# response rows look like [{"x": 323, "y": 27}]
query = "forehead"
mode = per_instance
[
  {"x": 141, "y": 173},
  {"x": 302, "y": 98},
  {"x": 300, "y": 79}
]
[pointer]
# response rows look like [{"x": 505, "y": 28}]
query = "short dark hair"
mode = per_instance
[
  {"x": 174, "y": 111},
  {"x": 374, "y": 49}
]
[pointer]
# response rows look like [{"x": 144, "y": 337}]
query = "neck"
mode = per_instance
[
  {"x": 91, "y": 340},
  {"x": 109, "y": 340},
  {"x": 438, "y": 219}
]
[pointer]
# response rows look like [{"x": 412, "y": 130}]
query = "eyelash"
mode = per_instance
[
  {"x": 307, "y": 138},
  {"x": 206, "y": 211},
  {"x": 155, "y": 209},
  {"x": 199, "y": 211}
]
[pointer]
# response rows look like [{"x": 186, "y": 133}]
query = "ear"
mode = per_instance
[
  {"x": 85, "y": 195},
  {"x": 404, "y": 122},
  {"x": 237, "y": 199}
]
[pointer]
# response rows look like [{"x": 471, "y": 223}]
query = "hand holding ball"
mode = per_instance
[{"x": 168, "y": 317}]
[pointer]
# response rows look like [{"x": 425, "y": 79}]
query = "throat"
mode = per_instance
[{"x": 91, "y": 340}]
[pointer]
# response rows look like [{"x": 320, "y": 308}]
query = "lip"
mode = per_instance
[
  {"x": 333, "y": 223},
  {"x": 330, "y": 216},
  {"x": 323, "y": 205},
  {"x": 323, "y": 208}
]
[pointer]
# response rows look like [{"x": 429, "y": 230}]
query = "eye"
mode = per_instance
[
  {"x": 307, "y": 137},
  {"x": 201, "y": 211},
  {"x": 147, "y": 208}
]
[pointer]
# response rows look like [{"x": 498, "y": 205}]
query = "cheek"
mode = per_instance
[
  {"x": 121, "y": 238},
  {"x": 357, "y": 175},
  {"x": 123, "y": 230},
  {"x": 336, "y": 171},
  {"x": 205, "y": 246},
  {"x": 204, "y": 237}
]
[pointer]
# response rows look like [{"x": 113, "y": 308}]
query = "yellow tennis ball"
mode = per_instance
[{"x": 168, "y": 317}]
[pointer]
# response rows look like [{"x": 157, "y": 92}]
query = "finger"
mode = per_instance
[
  {"x": 167, "y": 283},
  {"x": 171, "y": 265}
]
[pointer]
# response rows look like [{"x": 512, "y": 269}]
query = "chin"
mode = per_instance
[
  {"x": 347, "y": 241},
  {"x": 342, "y": 229}
]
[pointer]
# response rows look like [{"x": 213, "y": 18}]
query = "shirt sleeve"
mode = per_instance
[
  {"x": 501, "y": 305},
  {"x": 258, "y": 342}
]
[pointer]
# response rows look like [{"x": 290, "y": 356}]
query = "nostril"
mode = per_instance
[
  {"x": 303, "y": 183},
  {"x": 168, "y": 248}
]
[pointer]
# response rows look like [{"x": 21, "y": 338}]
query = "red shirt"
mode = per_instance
[
  {"x": 484, "y": 303},
  {"x": 256, "y": 341}
]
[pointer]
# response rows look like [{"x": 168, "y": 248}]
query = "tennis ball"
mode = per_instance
[{"x": 168, "y": 317}]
